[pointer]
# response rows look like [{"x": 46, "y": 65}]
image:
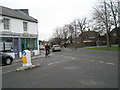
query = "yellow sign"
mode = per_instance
[{"x": 24, "y": 59}]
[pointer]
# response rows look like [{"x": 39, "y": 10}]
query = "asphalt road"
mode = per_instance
[{"x": 66, "y": 69}]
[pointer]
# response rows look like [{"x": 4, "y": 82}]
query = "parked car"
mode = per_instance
[
  {"x": 5, "y": 59},
  {"x": 42, "y": 47},
  {"x": 56, "y": 48}
]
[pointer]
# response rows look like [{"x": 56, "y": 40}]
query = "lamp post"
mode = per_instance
[{"x": 74, "y": 23}]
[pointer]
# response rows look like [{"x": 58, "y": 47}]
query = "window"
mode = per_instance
[
  {"x": 25, "y": 26},
  {"x": 1, "y": 45},
  {"x": 6, "y": 45},
  {"x": 6, "y": 23}
]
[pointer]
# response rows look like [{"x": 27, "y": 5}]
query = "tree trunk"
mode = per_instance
[
  {"x": 106, "y": 25},
  {"x": 108, "y": 39}
]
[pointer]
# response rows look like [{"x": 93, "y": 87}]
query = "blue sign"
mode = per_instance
[{"x": 24, "y": 53}]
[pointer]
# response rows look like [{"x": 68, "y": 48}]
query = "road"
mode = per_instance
[{"x": 67, "y": 69}]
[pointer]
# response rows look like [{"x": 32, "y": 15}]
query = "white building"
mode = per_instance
[{"x": 18, "y": 32}]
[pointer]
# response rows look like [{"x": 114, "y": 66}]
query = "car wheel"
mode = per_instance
[{"x": 8, "y": 61}]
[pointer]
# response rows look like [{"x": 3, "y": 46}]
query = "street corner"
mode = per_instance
[{"x": 27, "y": 68}]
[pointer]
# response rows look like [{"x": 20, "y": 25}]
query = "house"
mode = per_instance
[
  {"x": 18, "y": 32},
  {"x": 90, "y": 38},
  {"x": 114, "y": 35}
]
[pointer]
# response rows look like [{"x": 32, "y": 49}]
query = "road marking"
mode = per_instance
[
  {"x": 9, "y": 65},
  {"x": 58, "y": 62},
  {"x": 7, "y": 72},
  {"x": 50, "y": 63},
  {"x": 101, "y": 61},
  {"x": 110, "y": 63},
  {"x": 72, "y": 58},
  {"x": 92, "y": 60}
]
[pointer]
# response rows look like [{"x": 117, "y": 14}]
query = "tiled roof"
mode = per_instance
[
  {"x": 16, "y": 14},
  {"x": 90, "y": 34},
  {"x": 116, "y": 30}
]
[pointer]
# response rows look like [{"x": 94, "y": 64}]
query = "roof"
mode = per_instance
[
  {"x": 16, "y": 14},
  {"x": 90, "y": 34},
  {"x": 116, "y": 30}
]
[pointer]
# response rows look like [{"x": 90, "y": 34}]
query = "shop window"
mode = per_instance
[
  {"x": 6, "y": 45},
  {"x": 29, "y": 44},
  {"x": 6, "y": 23}
]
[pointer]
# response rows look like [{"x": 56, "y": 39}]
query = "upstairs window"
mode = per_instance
[
  {"x": 25, "y": 26},
  {"x": 6, "y": 22}
]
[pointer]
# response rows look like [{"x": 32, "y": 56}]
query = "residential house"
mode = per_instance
[
  {"x": 113, "y": 35},
  {"x": 90, "y": 38},
  {"x": 18, "y": 32}
]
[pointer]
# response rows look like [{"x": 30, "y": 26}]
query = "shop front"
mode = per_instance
[{"x": 14, "y": 44}]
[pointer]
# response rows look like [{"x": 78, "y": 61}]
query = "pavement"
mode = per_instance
[{"x": 33, "y": 57}]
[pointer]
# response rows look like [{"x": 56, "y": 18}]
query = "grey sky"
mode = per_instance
[{"x": 52, "y": 13}]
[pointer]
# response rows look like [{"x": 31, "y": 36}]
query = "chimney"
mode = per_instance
[{"x": 26, "y": 11}]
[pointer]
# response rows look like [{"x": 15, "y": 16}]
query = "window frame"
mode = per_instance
[
  {"x": 25, "y": 26},
  {"x": 6, "y": 23}
]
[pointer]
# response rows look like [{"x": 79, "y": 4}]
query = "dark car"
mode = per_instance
[{"x": 5, "y": 59}]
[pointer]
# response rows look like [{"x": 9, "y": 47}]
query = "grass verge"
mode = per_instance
[{"x": 106, "y": 48}]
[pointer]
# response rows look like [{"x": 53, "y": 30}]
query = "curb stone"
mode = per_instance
[
  {"x": 35, "y": 57},
  {"x": 27, "y": 68}
]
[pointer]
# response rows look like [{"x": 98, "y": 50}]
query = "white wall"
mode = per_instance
[
  {"x": 1, "y": 24},
  {"x": 16, "y": 25},
  {"x": 32, "y": 28}
]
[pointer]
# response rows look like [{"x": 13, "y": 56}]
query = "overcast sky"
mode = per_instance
[{"x": 52, "y": 13}]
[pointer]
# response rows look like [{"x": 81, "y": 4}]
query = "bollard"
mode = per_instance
[{"x": 26, "y": 58}]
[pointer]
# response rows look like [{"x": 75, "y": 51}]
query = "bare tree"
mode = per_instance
[
  {"x": 105, "y": 16},
  {"x": 71, "y": 32},
  {"x": 65, "y": 33},
  {"x": 58, "y": 35},
  {"x": 102, "y": 15},
  {"x": 82, "y": 25},
  {"x": 114, "y": 10}
]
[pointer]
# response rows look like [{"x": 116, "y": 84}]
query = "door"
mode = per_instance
[{"x": 15, "y": 46}]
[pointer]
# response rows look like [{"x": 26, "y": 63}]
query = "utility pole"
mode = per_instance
[{"x": 75, "y": 35}]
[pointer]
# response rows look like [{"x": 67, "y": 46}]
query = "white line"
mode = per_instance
[
  {"x": 58, "y": 62},
  {"x": 50, "y": 63},
  {"x": 92, "y": 60},
  {"x": 72, "y": 58},
  {"x": 110, "y": 63},
  {"x": 101, "y": 61},
  {"x": 7, "y": 72},
  {"x": 10, "y": 65}
]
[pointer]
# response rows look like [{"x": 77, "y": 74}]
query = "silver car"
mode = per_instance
[{"x": 56, "y": 48}]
